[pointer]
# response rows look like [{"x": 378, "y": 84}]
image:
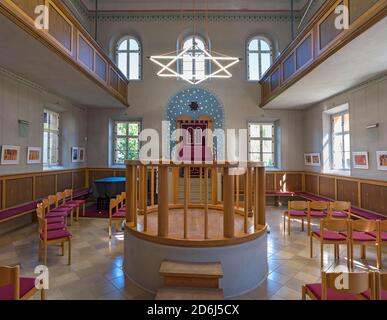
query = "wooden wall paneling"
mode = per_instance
[
  {"x": 266, "y": 87},
  {"x": 289, "y": 182},
  {"x": 79, "y": 179},
  {"x": 374, "y": 198},
  {"x": 18, "y": 191},
  {"x": 311, "y": 183},
  {"x": 119, "y": 173},
  {"x": 269, "y": 181},
  {"x": 64, "y": 181},
  {"x": 289, "y": 67},
  {"x": 122, "y": 87},
  {"x": 2, "y": 204},
  {"x": 100, "y": 67},
  {"x": 44, "y": 185},
  {"x": 85, "y": 52},
  {"x": 304, "y": 52},
  {"x": 28, "y": 6},
  {"x": 327, "y": 31},
  {"x": 347, "y": 191},
  {"x": 275, "y": 80},
  {"x": 327, "y": 187},
  {"x": 113, "y": 81},
  {"x": 359, "y": 7},
  {"x": 60, "y": 28}
]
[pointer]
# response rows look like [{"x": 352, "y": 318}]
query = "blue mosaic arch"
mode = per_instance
[{"x": 209, "y": 105}]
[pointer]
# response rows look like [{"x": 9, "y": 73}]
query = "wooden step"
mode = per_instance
[
  {"x": 189, "y": 294},
  {"x": 191, "y": 274}
]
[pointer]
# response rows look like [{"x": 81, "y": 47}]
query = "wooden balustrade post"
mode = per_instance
[
  {"x": 175, "y": 186},
  {"x": 152, "y": 186},
  {"x": 214, "y": 185},
  {"x": 246, "y": 208},
  {"x": 163, "y": 219},
  {"x": 237, "y": 190},
  {"x": 260, "y": 199},
  {"x": 186, "y": 200},
  {"x": 250, "y": 196},
  {"x": 129, "y": 193},
  {"x": 145, "y": 198},
  {"x": 206, "y": 203},
  {"x": 228, "y": 201},
  {"x": 141, "y": 188}
]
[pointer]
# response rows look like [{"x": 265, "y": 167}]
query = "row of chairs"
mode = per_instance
[
  {"x": 54, "y": 214},
  {"x": 309, "y": 210},
  {"x": 348, "y": 286},
  {"x": 117, "y": 211}
]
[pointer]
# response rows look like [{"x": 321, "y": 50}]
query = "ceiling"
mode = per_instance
[
  {"x": 362, "y": 59},
  {"x": 213, "y": 5}
]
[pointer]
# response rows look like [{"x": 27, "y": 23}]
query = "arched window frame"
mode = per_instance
[
  {"x": 259, "y": 52},
  {"x": 207, "y": 46},
  {"x": 128, "y": 51}
]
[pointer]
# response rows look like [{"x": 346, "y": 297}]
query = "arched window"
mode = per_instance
[
  {"x": 259, "y": 58},
  {"x": 194, "y": 62},
  {"x": 129, "y": 57}
]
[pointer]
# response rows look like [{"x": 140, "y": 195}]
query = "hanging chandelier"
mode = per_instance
[{"x": 172, "y": 64}]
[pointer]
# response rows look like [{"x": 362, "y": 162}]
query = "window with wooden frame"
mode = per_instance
[
  {"x": 50, "y": 138},
  {"x": 262, "y": 143},
  {"x": 340, "y": 141},
  {"x": 126, "y": 144}
]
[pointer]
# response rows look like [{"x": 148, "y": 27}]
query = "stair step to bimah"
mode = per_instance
[
  {"x": 189, "y": 294},
  {"x": 191, "y": 274}
]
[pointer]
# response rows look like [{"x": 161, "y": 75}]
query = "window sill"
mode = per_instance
[
  {"x": 344, "y": 173},
  {"x": 53, "y": 168}
]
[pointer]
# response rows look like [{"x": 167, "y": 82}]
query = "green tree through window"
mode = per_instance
[{"x": 126, "y": 141}]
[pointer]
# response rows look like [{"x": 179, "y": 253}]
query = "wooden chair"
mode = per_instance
[
  {"x": 381, "y": 285},
  {"x": 79, "y": 202},
  {"x": 14, "y": 287},
  {"x": 360, "y": 286},
  {"x": 115, "y": 214},
  {"x": 317, "y": 210},
  {"x": 296, "y": 210},
  {"x": 381, "y": 236},
  {"x": 53, "y": 215},
  {"x": 47, "y": 238},
  {"x": 53, "y": 208},
  {"x": 360, "y": 233},
  {"x": 332, "y": 231},
  {"x": 53, "y": 222},
  {"x": 340, "y": 210},
  {"x": 62, "y": 205}
]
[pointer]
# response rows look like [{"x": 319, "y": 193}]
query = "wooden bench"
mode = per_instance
[
  {"x": 190, "y": 281},
  {"x": 30, "y": 207}
]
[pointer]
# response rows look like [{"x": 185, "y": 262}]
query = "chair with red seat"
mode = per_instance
[
  {"x": 14, "y": 287},
  {"x": 340, "y": 210},
  {"x": 360, "y": 233},
  {"x": 342, "y": 286},
  {"x": 55, "y": 210},
  {"x": 79, "y": 202},
  {"x": 53, "y": 215},
  {"x": 62, "y": 205},
  {"x": 317, "y": 210},
  {"x": 115, "y": 214},
  {"x": 297, "y": 210},
  {"x": 47, "y": 237},
  {"x": 53, "y": 223},
  {"x": 332, "y": 231},
  {"x": 381, "y": 235}
]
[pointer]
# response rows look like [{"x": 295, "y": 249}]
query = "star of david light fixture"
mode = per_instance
[{"x": 170, "y": 62}]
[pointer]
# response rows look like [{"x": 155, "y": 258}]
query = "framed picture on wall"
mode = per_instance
[
  {"x": 360, "y": 160},
  {"x": 381, "y": 157},
  {"x": 34, "y": 155},
  {"x": 74, "y": 154},
  {"x": 308, "y": 159},
  {"x": 316, "y": 160},
  {"x": 10, "y": 154},
  {"x": 82, "y": 154}
]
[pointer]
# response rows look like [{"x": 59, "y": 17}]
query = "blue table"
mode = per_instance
[{"x": 107, "y": 188}]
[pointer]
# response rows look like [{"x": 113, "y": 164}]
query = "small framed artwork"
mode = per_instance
[
  {"x": 316, "y": 161},
  {"x": 308, "y": 159},
  {"x": 10, "y": 154},
  {"x": 34, "y": 155},
  {"x": 82, "y": 153},
  {"x": 360, "y": 160},
  {"x": 381, "y": 157},
  {"x": 74, "y": 154}
]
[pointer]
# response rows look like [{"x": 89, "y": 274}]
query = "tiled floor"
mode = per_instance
[{"x": 96, "y": 272}]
